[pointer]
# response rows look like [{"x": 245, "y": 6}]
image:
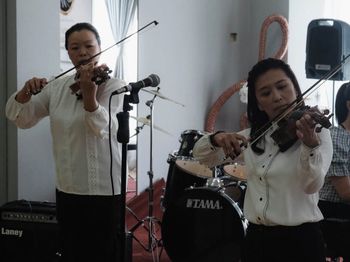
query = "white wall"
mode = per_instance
[
  {"x": 37, "y": 55},
  {"x": 192, "y": 52},
  {"x": 260, "y": 10},
  {"x": 81, "y": 11}
]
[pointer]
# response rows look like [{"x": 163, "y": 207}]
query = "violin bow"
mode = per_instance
[{"x": 99, "y": 53}]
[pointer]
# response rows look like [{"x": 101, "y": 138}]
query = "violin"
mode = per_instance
[
  {"x": 285, "y": 135},
  {"x": 100, "y": 75}
]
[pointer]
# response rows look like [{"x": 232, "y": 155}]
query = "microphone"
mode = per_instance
[{"x": 153, "y": 80}]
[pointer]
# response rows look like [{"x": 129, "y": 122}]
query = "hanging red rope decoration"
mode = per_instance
[{"x": 216, "y": 107}]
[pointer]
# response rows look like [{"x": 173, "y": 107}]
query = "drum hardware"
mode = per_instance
[
  {"x": 137, "y": 129},
  {"x": 149, "y": 222},
  {"x": 215, "y": 181},
  {"x": 146, "y": 121},
  {"x": 162, "y": 206},
  {"x": 157, "y": 93}
]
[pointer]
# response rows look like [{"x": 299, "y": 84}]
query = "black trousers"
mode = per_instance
[
  {"x": 335, "y": 210},
  {"x": 336, "y": 228},
  {"x": 284, "y": 243},
  {"x": 89, "y": 227}
]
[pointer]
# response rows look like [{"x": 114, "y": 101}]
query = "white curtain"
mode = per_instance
[{"x": 121, "y": 13}]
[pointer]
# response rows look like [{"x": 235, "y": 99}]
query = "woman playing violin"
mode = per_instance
[
  {"x": 87, "y": 211},
  {"x": 282, "y": 187}
]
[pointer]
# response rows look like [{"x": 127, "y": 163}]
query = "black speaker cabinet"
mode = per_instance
[
  {"x": 29, "y": 232},
  {"x": 328, "y": 42}
]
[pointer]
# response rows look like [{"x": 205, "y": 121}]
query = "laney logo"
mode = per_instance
[
  {"x": 11, "y": 232},
  {"x": 203, "y": 203}
]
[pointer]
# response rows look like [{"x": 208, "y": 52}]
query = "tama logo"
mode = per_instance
[
  {"x": 203, "y": 203},
  {"x": 11, "y": 232}
]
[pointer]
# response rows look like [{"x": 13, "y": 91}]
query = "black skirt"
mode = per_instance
[
  {"x": 89, "y": 227},
  {"x": 284, "y": 243}
]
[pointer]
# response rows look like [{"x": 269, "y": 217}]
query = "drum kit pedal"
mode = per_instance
[{"x": 203, "y": 218}]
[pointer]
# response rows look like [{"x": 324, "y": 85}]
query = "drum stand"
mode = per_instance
[{"x": 149, "y": 222}]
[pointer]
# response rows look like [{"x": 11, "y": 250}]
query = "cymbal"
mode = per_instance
[
  {"x": 146, "y": 121},
  {"x": 160, "y": 95}
]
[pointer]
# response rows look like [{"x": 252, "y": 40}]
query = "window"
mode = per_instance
[{"x": 101, "y": 21}]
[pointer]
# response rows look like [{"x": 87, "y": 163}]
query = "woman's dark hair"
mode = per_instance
[
  {"x": 81, "y": 26},
  {"x": 256, "y": 117},
  {"x": 341, "y": 109}
]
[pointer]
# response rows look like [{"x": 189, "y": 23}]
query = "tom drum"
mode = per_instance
[
  {"x": 188, "y": 139},
  {"x": 237, "y": 171}
]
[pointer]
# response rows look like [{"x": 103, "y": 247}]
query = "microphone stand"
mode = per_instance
[
  {"x": 123, "y": 138},
  {"x": 153, "y": 242}
]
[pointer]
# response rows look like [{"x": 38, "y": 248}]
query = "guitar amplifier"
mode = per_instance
[{"x": 29, "y": 232}]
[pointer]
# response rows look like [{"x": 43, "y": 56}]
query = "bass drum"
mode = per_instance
[{"x": 204, "y": 225}]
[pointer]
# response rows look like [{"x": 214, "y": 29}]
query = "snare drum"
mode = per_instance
[
  {"x": 205, "y": 224},
  {"x": 183, "y": 173}
]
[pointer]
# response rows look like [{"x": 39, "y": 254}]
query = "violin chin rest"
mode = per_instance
[{"x": 75, "y": 87}]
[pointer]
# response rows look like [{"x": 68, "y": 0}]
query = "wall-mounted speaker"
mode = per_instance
[{"x": 327, "y": 44}]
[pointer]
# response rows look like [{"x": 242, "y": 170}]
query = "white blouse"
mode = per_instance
[
  {"x": 282, "y": 187},
  {"x": 80, "y": 138}
]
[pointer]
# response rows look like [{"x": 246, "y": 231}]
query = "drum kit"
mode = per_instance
[{"x": 203, "y": 218}]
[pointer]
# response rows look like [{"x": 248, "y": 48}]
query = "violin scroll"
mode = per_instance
[
  {"x": 320, "y": 117},
  {"x": 100, "y": 75}
]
